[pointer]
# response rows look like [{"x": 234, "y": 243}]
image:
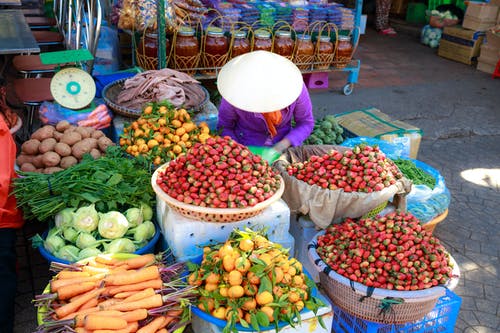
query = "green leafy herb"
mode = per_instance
[{"x": 414, "y": 173}]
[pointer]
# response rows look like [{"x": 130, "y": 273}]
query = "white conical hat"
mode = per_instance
[{"x": 260, "y": 81}]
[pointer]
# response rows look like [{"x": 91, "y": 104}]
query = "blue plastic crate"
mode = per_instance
[{"x": 441, "y": 319}]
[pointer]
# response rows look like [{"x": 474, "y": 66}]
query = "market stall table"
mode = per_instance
[{"x": 10, "y": 3}]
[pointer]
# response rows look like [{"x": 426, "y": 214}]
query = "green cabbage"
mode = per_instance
[
  {"x": 113, "y": 225},
  {"x": 68, "y": 252},
  {"x": 144, "y": 231},
  {"x": 64, "y": 218},
  {"x": 86, "y": 219},
  {"x": 85, "y": 240},
  {"x": 88, "y": 252},
  {"x": 134, "y": 216},
  {"x": 120, "y": 245}
]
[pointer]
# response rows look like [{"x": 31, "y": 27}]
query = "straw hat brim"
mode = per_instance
[{"x": 260, "y": 81}]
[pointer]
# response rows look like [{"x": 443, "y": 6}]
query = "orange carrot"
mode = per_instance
[
  {"x": 56, "y": 284},
  {"x": 70, "y": 307},
  {"x": 138, "y": 262},
  {"x": 71, "y": 290},
  {"x": 80, "y": 319},
  {"x": 135, "y": 315},
  {"x": 80, "y": 312},
  {"x": 124, "y": 294},
  {"x": 81, "y": 330},
  {"x": 96, "y": 321},
  {"x": 145, "y": 303},
  {"x": 140, "y": 295},
  {"x": 153, "y": 326},
  {"x": 155, "y": 284},
  {"x": 130, "y": 277},
  {"x": 71, "y": 274},
  {"x": 90, "y": 304},
  {"x": 106, "y": 260},
  {"x": 131, "y": 327},
  {"x": 163, "y": 330}
]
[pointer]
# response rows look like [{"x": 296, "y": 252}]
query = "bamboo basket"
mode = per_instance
[
  {"x": 210, "y": 63},
  {"x": 283, "y": 26},
  {"x": 187, "y": 64},
  {"x": 343, "y": 61},
  {"x": 324, "y": 60},
  {"x": 431, "y": 225}
]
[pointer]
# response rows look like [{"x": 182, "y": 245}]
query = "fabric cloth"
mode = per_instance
[
  {"x": 382, "y": 9},
  {"x": 251, "y": 129},
  {"x": 8, "y": 279},
  {"x": 10, "y": 216},
  {"x": 273, "y": 119}
]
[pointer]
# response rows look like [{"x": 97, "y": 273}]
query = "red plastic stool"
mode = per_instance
[
  {"x": 316, "y": 80},
  {"x": 496, "y": 73}
]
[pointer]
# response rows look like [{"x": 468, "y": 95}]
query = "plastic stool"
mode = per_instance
[
  {"x": 496, "y": 72},
  {"x": 316, "y": 80}
]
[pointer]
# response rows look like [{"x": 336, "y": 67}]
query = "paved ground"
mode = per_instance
[{"x": 458, "y": 108}]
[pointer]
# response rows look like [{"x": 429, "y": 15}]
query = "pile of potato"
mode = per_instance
[{"x": 54, "y": 148}]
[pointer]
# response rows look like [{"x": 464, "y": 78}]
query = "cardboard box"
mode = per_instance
[
  {"x": 460, "y": 44},
  {"x": 489, "y": 54},
  {"x": 485, "y": 67},
  {"x": 480, "y": 17},
  {"x": 493, "y": 39},
  {"x": 376, "y": 124}
]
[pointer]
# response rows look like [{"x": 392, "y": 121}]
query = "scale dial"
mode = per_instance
[{"x": 73, "y": 88}]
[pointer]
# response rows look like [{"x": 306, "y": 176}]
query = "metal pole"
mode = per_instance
[{"x": 162, "y": 36}]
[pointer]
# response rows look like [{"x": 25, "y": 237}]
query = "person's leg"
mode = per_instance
[
  {"x": 382, "y": 10},
  {"x": 8, "y": 279}
]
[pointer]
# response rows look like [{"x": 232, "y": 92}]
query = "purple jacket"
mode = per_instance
[{"x": 250, "y": 129}]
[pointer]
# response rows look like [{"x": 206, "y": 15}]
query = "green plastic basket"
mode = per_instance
[
  {"x": 267, "y": 153},
  {"x": 416, "y": 13},
  {"x": 375, "y": 211}
]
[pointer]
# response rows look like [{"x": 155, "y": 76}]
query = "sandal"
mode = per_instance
[{"x": 388, "y": 32}]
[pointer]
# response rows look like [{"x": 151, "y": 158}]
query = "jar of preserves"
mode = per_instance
[
  {"x": 147, "y": 51},
  {"x": 216, "y": 48},
  {"x": 283, "y": 44},
  {"x": 324, "y": 52},
  {"x": 262, "y": 40},
  {"x": 241, "y": 44},
  {"x": 187, "y": 49},
  {"x": 304, "y": 54},
  {"x": 343, "y": 53}
]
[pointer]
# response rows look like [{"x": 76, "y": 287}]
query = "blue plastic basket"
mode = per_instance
[{"x": 441, "y": 319}]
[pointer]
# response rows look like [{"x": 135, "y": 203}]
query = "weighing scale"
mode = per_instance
[{"x": 72, "y": 87}]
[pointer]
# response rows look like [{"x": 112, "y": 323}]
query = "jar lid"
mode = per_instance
[
  {"x": 239, "y": 34},
  {"x": 284, "y": 34},
  {"x": 345, "y": 38},
  {"x": 186, "y": 31},
  {"x": 324, "y": 39},
  {"x": 215, "y": 31},
  {"x": 304, "y": 37},
  {"x": 151, "y": 35},
  {"x": 261, "y": 33}
]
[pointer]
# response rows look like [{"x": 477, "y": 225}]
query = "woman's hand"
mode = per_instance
[{"x": 282, "y": 145}]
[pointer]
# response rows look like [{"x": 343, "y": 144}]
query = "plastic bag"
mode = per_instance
[
  {"x": 100, "y": 117},
  {"x": 393, "y": 150},
  {"x": 431, "y": 36}
]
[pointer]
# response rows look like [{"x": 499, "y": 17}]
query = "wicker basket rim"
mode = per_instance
[
  {"x": 213, "y": 211},
  {"x": 379, "y": 293}
]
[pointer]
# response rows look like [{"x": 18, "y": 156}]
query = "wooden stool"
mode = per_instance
[
  {"x": 32, "y": 92},
  {"x": 31, "y": 65}
]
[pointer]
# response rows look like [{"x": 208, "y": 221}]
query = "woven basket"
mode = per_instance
[
  {"x": 353, "y": 296},
  {"x": 145, "y": 62},
  {"x": 431, "y": 225},
  {"x": 207, "y": 214},
  {"x": 111, "y": 91}
]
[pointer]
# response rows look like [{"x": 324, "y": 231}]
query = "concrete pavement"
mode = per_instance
[{"x": 458, "y": 108}]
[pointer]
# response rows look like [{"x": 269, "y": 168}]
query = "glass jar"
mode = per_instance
[
  {"x": 343, "y": 53},
  {"x": 147, "y": 51},
  {"x": 324, "y": 52},
  {"x": 241, "y": 44},
  {"x": 187, "y": 47},
  {"x": 216, "y": 46},
  {"x": 262, "y": 40},
  {"x": 283, "y": 44},
  {"x": 304, "y": 54}
]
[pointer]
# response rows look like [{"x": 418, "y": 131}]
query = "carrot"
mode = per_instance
[
  {"x": 130, "y": 277},
  {"x": 56, "y": 284},
  {"x": 140, "y": 295},
  {"x": 145, "y": 303},
  {"x": 80, "y": 319},
  {"x": 71, "y": 274},
  {"x": 155, "y": 284},
  {"x": 138, "y": 262},
  {"x": 153, "y": 326},
  {"x": 73, "y": 306},
  {"x": 135, "y": 315},
  {"x": 106, "y": 260},
  {"x": 124, "y": 294},
  {"x": 131, "y": 327},
  {"x": 81, "y": 330},
  {"x": 80, "y": 312},
  {"x": 96, "y": 321},
  {"x": 90, "y": 304},
  {"x": 163, "y": 330},
  {"x": 71, "y": 290}
]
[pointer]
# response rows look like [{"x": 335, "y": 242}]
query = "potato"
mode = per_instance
[
  {"x": 50, "y": 170},
  {"x": 68, "y": 161},
  {"x": 47, "y": 145},
  {"x": 81, "y": 148},
  {"x": 104, "y": 142},
  {"x": 71, "y": 128},
  {"x": 97, "y": 134},
  {"x": 58, "y": 135},
  {"x": 95, "y": 153},
  {"x": 62, "y": 149},
  {"x": 62, "y": 125},
  {"x": 28, "y": 167},
  {"x": 85, "y": 132},
  {"x": 91, "y": 142},
  {"x": 51, "y": 159},
  {"x": 37, "y": 161},
  {"x": 71, "y": 138},
  {"x": 24, "y": 158},
  {"x": 31, "y": 147},
  {"x": 43, "y": 133}
]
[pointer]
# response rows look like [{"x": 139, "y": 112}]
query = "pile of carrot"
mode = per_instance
[{"x": 106, "y": 294}]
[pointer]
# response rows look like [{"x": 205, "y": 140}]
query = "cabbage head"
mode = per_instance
[
  {"x": 85, "y": 240},
  {"x": 147, "y": 212},
  {"x": 144, "y": 231},
  {"x": 120, "y": 245},
  {"x": 86, "y": 219},
  {"x": 134, "y": 216},
  {"x": 53, "y": 243},
  {"x": 68, "y": 252},
  {"x": 88, "y": 252},
  {"x": 113, "y": 225},
  {"x": 64, "y": 218},
  {"x": 70, "y": 234}
]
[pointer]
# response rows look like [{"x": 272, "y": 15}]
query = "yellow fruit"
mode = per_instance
[
  {"x": 177, "y": 149},
  {"x": 185, "y": 137},
  {"x": 249, "y": 304},
  {"x": 148, "y": 109},
  {"x": 152, "y": 143},
  {"x": 297, "y": 281},
  {"x": 180, "y": 131},
  {"x": 265, "y": 257},
  {"x": 250, "y": 289},
  {"x": 223, "y": 291},
  {"x": 287, "y": 278},
  {"x": 269, "y": 312},
  {"x": 252, "y": 278},
  {"x": 235, "y": 292},
  {"x": 264, "y": 298},
  {"x": 246, "y": 245},
  {"x": 292, "y": 271},
  {"x": 206, "y": 304},
  {"x": 211, "y": 286},
  {"x": 219, "y": 313},
  {"x": 242, "y": 264},
  {"x": 235, "y": 278},
  {"x": 213, "y": 278},
  {"x": 225, "y": 249},
  {"x": 228, "y": 263},
  {"x": 194, "y": 280},
  {"x": 230, "y": 312},
  {"x": 299, "y": 305},
  {"x": 293, "y": 296},
  {"x": 277, "y": 291},
  {"x": 176, "y": 123}
]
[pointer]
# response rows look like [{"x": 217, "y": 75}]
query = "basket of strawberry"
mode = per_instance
[
  {"x": 386, "y": 269},
  {"x": 332, "y": 182},
  {"x": 218, "y": 181}
]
